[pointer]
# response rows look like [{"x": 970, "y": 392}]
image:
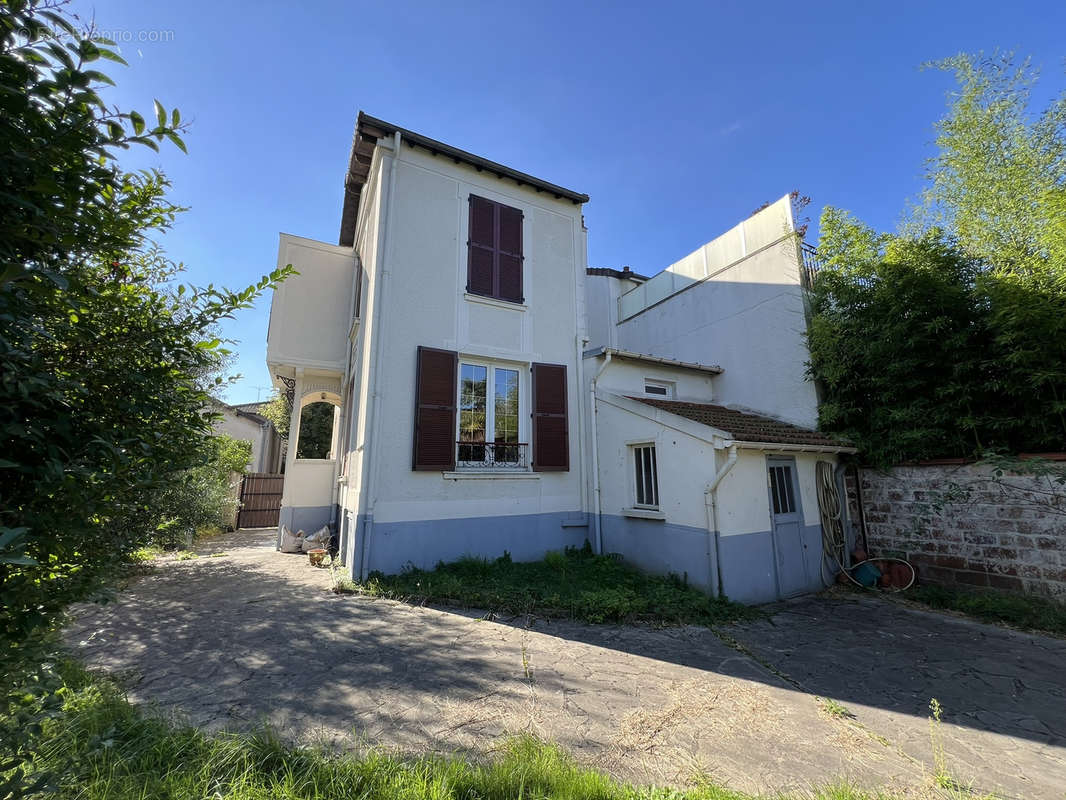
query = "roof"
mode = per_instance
[
  {"x": 745, "y": 427},
  {"x": 713, "y": 369},
  {"x": 369, "y": 129},
  {"x": 624, "y": 272},
  {"x": 251, "y": 408}
]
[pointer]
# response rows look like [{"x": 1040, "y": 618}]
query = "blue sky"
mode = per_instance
[{"x": 677, "y": 119}]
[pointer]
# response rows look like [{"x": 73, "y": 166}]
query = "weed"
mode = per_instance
[
  {"x": 144, "y": 555},
  {"x": 941, "y": 776},
  {"x": 832, "y": 708},
  {"x": 185, "y": 555},
  {"x": 574, "y": 584},
  {"x": 1028, "y": 612}
]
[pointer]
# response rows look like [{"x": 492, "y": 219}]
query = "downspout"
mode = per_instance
[
  {"x": 710, "y": 499},
  {"x": 596, "y": 453},
  {"x": 383, "y": 272},
  {"x": 579, "y": 346},
  {"x": 342, "y": 440}
]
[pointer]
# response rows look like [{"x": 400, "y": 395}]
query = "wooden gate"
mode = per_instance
[{"x": 260, "y": 500}]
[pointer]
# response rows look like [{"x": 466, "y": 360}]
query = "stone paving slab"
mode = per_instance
[
  {"x": 256, "y": 636},
  {"x": 1003, "y": 692}
]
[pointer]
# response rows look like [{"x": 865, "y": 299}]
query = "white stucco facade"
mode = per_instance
[
  {"x": 266, "y": 445},
  {"x": 348, "y": 331},
  {"x": 737, "y": 302}
]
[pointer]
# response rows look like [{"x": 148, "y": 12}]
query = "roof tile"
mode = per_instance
[{"x": 742, "y": 426}]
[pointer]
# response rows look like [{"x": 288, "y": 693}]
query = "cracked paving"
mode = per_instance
[{"x": 255, "y": 636}]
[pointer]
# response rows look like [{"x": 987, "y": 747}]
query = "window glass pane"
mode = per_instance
[
  {"x": 472, "y": 403},
  {"x": 505, "y": 415},
  {"x": 506, "y": 428},
  {"x": 773, "y": 490},
  {"x": 639, "y": 476},
  {"x": 654, "y": 478},
  {"x": 790, "y": 499},
  {"x": 649, "y": 496}
]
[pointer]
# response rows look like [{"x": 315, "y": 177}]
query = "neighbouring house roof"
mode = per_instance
[
  {"x": 669, "y": 362},
  {"x": 369, "y": 129},
  {"x": 745, "y": 427},
  {"x": 251, "y": 408},
  {"x": 624, "y": 272}
]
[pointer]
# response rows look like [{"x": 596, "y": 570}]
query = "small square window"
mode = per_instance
[
  {"x": 658, "y": 388},
  {"x": 646, "y": 477}
]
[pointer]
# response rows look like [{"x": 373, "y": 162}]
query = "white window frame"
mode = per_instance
[
  {"x": 490, "y": 405},
  {"x": 637, "y": 461},
  {"x": 669, "y": 388}
]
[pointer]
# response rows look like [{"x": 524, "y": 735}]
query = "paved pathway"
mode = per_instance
[{"x": 255, "y": 635}]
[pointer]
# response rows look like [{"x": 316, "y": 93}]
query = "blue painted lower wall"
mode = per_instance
[
  {"x": 395, "y": 546},
  {"x": 748, "y": 561},
  {"x": 662, "y": 548},
  {"x": 748, "y": 574}
]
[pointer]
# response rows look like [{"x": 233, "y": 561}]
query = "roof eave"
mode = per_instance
[
  {"x": 368, "y": 130},
  {"x": 794, "y": 447},
  {"x": 712, "y": 369}
]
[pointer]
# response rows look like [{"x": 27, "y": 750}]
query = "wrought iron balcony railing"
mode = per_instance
[{"x": 492, "y": 455}]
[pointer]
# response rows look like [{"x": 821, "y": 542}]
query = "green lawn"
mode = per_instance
[
  {"x": 1027, "y": 612},
  {"x": 101, "y": 748},
  {"x": 574, "y": 584}
]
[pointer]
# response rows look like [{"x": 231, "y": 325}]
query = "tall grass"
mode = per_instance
[
  {"x": 1021, "y": 611},
  {"x": 102, "y": 748},
  {"x": 576, "y": 584}
]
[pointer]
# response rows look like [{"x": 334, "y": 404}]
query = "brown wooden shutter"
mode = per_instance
[
  {"x": 509, "y": 254},
  {"x": 435, "y": 399},
  {"x": 494, "y": 265},
  {"x": 551, "y": 440},
  {"x": 481, "y": 266}
]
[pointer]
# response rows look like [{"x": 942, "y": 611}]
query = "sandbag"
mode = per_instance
[
  {"x": 318, "y": 539},
  {"x": 291, "y": 542}
]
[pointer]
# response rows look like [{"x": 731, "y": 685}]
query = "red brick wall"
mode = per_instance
[{"x": 961, "y": 525}]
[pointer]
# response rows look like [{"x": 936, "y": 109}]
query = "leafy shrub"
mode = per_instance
[{"x": 105, "y": 363}]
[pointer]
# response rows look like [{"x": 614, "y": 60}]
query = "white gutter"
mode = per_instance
[
  {"x": 596, "y": 454},
  {"x": 797, "y": 448},
  {"x": 710, "y": 499},
  {"x": 370, "y": 459}
]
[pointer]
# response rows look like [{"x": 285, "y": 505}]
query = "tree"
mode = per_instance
[
  {"x": 316, "y": 430},
  {"x": 104, "y": 362},
  {"x": 279, "y": 411},
  {"x": 949, "y": 337},
  {"x": 998, "y": 179}
]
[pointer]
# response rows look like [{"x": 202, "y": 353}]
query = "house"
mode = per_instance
[
  {"x": 243, "y": 422},
  {"x": 493, "y": 394}
]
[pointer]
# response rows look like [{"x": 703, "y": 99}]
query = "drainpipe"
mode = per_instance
[
  {"x": 379, "y": 307},
  {"x": 344, "y": 442},
  {"x": 596, "y": 454},
  {"x": 710, "y": 499},
  {"x": 579, "y": 346}
]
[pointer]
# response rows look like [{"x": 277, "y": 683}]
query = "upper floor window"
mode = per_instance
[{"x": 494, "y": 265}]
